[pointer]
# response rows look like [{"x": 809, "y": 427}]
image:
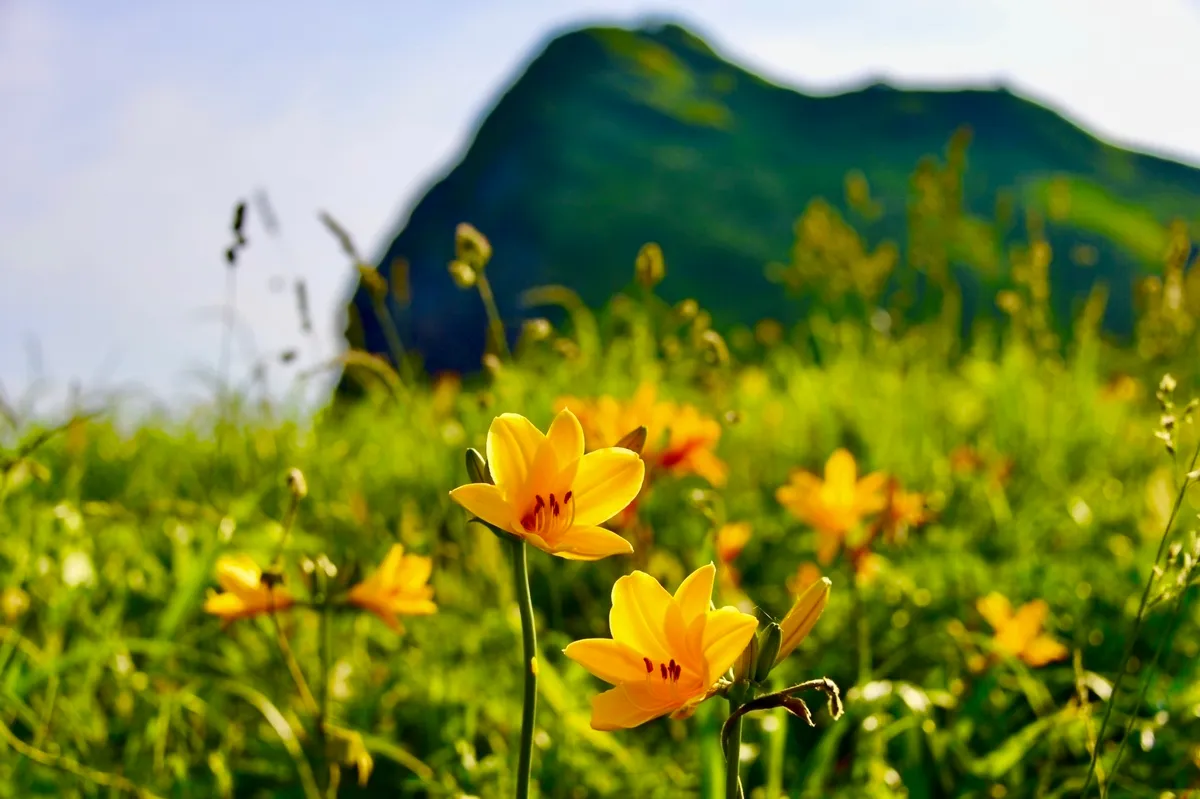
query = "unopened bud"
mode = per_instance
[
  {"x": 477, "y": 468},
  {"x": 743, "y": 669},
  {"x": 297, "y": 484},
  {"x": 649, "y": 268},
  {"x": 471, "y": 246},
  {"x": 799, "y": 621},
  {"x": 463, "y": 274},
  {"x": 538, "y": 329},
  {"x": 634, "y": 440},
  {"x": 768, "y": 650}
]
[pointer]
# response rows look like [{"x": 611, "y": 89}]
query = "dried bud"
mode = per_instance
[
  {"x": 715, "y": 350},
  {"x": 772, "y": 638},
  {"x": 297, "y": 484},
  {"x": 477, "y": 468},
  {"x": 687, "y": 310},
  {"x": 471, "y": 247},
  {"x": 649, "y": 268},
  {"x": 272, "y": 576},
  {"x": 634, "y": 440},
  {"x": 464, "y": 276},
  {"x": 538, "y": 329},
  {"x": 1167, "y": 384}
]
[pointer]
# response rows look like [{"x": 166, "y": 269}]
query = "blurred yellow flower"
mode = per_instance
[
  {"x": 806, "y": 574},
  {"x": 399, "y": 587},
  {"x": 800, "y": 620},
  {"x": 244, "y": 593},
  {"x": 1121, "y": 388},
  {"x": 731, "y": 540},
  {"x": 1019, "y": 634},
  {"x": 551, "y": 494},
  {"x": 667, "y": 653},
  {"x": 836, "y": 505},
  {"x": 680, "y": 439},
  {"x": 903, "y": 510},
  {"x": 14, "y": 602}
]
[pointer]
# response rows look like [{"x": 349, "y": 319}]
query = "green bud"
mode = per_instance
[
  {"x": 634, "y": 440},
  {"x": 463, "y": 274},
  {"x": 471, "y": 247},
  {"x": 768, "y": 648},
  {"x": 743, "y": 668},
  {"x": 477, "y": 467}
]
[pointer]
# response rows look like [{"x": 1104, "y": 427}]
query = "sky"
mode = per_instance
[{"x": 131, "y": 129}]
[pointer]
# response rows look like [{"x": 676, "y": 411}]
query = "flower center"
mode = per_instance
[
  {"x": 549, "y": 518},
  {"x": 667, "y": 672}
]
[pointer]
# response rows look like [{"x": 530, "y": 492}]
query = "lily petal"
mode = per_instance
[
  {"x": 726, "y": 635},
  {"x": 485, "y": 501},
  {"x": 238, "y": 574},
  {"x": 566, "y": 437},
  {"x": 590, "y": 543},
  {"x": 512, "y": 444},
  {"x": 1043, "y": 650},
  {"x": 840, "y": 470},
  {"x": 995, "y": 609},
  {"x": 607, "y": 481},
  {"x": 638, "y": 615},
  {"x": 695, "y": 592},
  {"x": 611, "y": 661},
  {"x": 628, "y": 706}
]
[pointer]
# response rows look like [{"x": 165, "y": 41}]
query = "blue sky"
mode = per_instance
[{"x": 131, "y": 128}]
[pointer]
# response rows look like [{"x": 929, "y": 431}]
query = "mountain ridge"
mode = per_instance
[{"x": 611, "y": 137}]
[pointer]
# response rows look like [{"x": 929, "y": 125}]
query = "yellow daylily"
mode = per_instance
[
  {"x": 679, "y": 438},
  {"x": 667, "y": 652},
  {"x": 836, "y": 505},
  {"x": 551, "y": 494},
  {"x": 1019, "y": 634},
  {"x": 244, "y": 593},
  {"x": 399, "y": 587},
  {"x": 800, "y": 620},
  {"x": 732, "y": 539}
]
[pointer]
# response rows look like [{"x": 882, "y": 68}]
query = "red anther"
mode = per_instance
[
  {"x": 662, "y": 667},
  {"x": 649, "y": 665},
  {"x": 678, "y": 672},
  {"x": 566, "y": 497}
]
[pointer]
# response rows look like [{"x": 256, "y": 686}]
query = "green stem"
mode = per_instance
[
  {"x": 323, "y": 633},
  {"x": 493, "y": 313},
  {"x": 733, "y": 759},
  {"x": 1137, "y": 627},
  {"x": 528, "y": 663}
]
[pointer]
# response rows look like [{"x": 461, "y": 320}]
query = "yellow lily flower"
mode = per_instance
[
  {"x": 244, "y": 594},
  {"x": 549, "y": 492},
  {"x": 836, "y": 505},
  {"x": 679, "y": 438},
  {"x": 667, "y": 652},
  {"x": 399, "y": 587},
  {"x": 1019, "y": 634}
]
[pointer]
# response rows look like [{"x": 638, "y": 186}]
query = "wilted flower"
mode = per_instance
[
  {"x": 244, "y": 592},
  {"x": 667, "y": 653},
  {"x": 548, "y": 492},
  {"x": 835, "y": 506},
  {"x": 399, "y": 587},
  {"x": 1019, "y": 634}
]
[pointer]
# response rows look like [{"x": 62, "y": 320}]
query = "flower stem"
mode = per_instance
[
  {"x": 495, "y": 323},
  {"x": 1137, "y": 626},
  {"x": 529, "y": 664},
  {"x": 733, "y": 759}
]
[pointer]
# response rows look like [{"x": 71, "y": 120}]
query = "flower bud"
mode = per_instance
[
  {"x": 768, "y": 649},
  {"x": 477, "y": 467},
  {"x": 799, "y": 621},
  {"x": 634, "y": 440},
  {"x": 649, "y": 268},
  {"x": 463, "y": 274},
  {"x": 743, "y": 668},
  {"x": 297, "y": 484},
  {"x": 471, "y": 247}
]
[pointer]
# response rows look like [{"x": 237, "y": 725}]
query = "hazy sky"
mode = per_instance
[{"x": 130, "y": 129}]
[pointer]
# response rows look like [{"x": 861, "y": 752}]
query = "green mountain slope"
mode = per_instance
[{"x": 615, "y": 137}]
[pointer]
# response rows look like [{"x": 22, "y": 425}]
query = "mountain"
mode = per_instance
[{"x": 614, "y": 137}]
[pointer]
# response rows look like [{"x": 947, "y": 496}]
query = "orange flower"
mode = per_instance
[
  {"x": 904, "y": 509},
  {"x": 548, "y": 492},
  {"x": 399, "y": 587},
  {"x": 806, "y": 574},
  {"x": 835, "y": 506},
  {"x": 244, "y": 593},
  {"x": 1019, "y": 634},
  {"x": 667, "y": 652},
  {"x": 679, "y": 438},
  {"x": 731, "y": 540}
]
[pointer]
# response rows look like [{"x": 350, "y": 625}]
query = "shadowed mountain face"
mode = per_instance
[{"x": 612, "y": 138}]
